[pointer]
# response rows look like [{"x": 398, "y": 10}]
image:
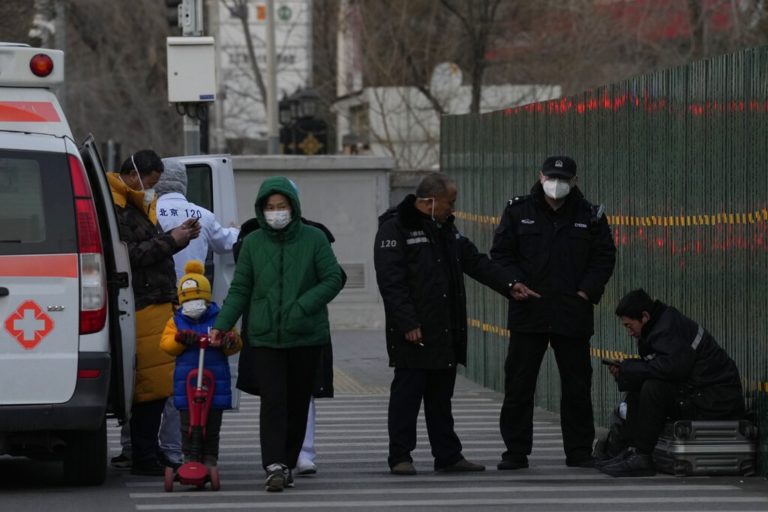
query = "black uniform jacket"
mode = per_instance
[
  {"x": 555, "y": 253},
  {"x": 419, "y": 270},
  {"x": 675, "y": 348}
]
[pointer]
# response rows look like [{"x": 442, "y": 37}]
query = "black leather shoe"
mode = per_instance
[
  {"x": 636, "y": 464},
  {"x": 512, "y": 462},
  {"x": 151, "y": 467}
]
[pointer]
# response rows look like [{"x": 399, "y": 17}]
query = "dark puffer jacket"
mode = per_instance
[
  {"x": 419, "y": 270},
  {"x": 150, "y": 250},
  {"x": 674, "y": 348},
  {"x": 555, "y": 253}
]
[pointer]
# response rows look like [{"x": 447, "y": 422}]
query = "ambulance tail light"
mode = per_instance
[{"x": 93, "y": 299}]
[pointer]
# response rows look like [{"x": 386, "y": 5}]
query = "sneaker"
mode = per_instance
[
  {"x": 462, "y": 466},
  {"x": 515, "y": 461},
  {"x": 121, "y": 461},
  {"x": 580, "y": 462},
  {"x": 305, "y": 467},
  {"x": 636, "y": 464},
  {"x": 276, "y": 478},
  {"x": 403, "y": 468},
  {"x": 150, "y": 467},
  {"x": 165, "y": 461}
]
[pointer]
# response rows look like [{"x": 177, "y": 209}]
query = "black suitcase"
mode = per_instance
[{"x": 689, "y": 447}]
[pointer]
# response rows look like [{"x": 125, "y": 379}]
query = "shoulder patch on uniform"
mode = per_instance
[{"x": 517, "y": 199}]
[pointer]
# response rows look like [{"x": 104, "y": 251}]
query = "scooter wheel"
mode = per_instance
[
  {"x": 169, "y": 478},
  {"x": 215, "y": 480}
]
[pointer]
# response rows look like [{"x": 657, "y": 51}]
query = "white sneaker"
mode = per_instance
[{"x": 305, "y": 467}]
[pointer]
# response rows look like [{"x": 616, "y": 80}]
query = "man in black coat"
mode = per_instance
[
  {"x": 682, "y": 373},
  {"x": 560, "y": 250},
  {"x": 420, "y": 258}
]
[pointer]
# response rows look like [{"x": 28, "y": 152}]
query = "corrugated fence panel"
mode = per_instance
[{"x": 680, "y": 160}]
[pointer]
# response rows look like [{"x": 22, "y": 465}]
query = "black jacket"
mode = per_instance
[
  {"x": 419, "y": 270},
  {"x": 151, "y": 253},
  {"x": 555, "y": 253},
  {"x": 675, "y": 348}
]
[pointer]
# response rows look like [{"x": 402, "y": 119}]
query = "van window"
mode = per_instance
[
  {"x": 36, "y": 204},
  {"x": 200, "y": 186}
]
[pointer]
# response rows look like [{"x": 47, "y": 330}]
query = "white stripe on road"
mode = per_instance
[
  {"x": 449, "y": 490},
  {"x": 445, "y": 502}
]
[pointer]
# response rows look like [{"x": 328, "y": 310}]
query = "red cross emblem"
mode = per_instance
[{"x": 29, "y": 324}]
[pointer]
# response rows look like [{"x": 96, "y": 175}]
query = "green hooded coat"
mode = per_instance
[{"x": 284, "y": 279}]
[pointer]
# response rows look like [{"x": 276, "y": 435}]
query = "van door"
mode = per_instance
[
  {"x": 39, "y": 274},
  {"x": 122, "y": 326}
]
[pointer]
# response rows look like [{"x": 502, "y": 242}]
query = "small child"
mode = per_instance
[{"x": 180, "y": 338}]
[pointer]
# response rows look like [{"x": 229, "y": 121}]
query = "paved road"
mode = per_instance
[{"x": 353, "y": 474}]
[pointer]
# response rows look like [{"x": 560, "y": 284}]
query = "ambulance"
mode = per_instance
[
  {"x": 67, "y": 318},
  {"x": 66, "y": 306}
]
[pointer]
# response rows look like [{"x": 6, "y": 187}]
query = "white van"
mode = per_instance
[
  {"x": 67, "y": 323},
  {"x": 66, "y": 306}
]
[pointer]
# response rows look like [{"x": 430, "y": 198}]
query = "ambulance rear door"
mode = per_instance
[{"x": 122, "y": 321}]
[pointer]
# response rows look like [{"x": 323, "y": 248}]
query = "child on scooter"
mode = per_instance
[{"x": 181, "y": 338}]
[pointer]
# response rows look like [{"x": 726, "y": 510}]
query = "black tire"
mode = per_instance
[{"x": 85, "y": 458}]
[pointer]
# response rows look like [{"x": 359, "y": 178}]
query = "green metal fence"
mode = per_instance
[{"x": 680, "y": 160}]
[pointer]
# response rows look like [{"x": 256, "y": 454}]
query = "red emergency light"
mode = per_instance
[{"x": 41, "y": 65}]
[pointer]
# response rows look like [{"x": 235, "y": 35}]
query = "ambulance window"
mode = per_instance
[
  {"x": 200, "y": 186},
  {"x": 33, "y": 217}
]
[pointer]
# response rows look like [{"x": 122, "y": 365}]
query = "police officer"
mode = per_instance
[
  {"x": 560, "y": 250},
  {"x": 420, "y": 258}
]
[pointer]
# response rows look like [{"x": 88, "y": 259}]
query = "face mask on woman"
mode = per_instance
[
  {"x": 556, "y": 188},
  {"x": 278, "y": 219}
]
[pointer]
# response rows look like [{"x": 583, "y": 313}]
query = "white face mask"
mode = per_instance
[
  {"x": 194, "y": 308},
  {"x": 556, "y": 188},
  {"x": 278, "y": 219},
  {"x": 149, "y": 196}
]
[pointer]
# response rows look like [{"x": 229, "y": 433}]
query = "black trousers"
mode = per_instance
[
  {"x": 209, "y": 449},
  {"x": 435, "y": 387},
  {"x": 521, "y": 369},
  {"x": 285, "y": 378},
  {"x": 145, "y": 424}
]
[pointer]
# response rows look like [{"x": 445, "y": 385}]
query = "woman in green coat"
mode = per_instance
[{"x": 286, "y": 275}]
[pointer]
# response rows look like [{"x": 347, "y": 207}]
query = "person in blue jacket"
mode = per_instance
[{"x": 180, "y": 338}]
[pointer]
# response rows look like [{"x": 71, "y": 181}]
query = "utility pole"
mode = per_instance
[{"x": 273, "y": 136}]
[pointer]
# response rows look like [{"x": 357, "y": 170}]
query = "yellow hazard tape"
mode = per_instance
[{"x": 597, "y": 353}]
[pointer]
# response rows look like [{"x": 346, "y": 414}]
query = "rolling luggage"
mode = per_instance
[{"x": 690, "y": 447}]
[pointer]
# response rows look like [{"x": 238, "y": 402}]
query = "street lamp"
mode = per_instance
[{"x": 302, "y": 132}]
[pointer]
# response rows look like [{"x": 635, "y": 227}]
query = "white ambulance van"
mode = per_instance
[{"x": 66, "y": 306}]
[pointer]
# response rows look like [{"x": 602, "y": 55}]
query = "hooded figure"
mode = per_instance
[{"x": 285, "y": 277}]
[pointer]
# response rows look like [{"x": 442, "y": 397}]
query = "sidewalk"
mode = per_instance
[{"x": 351, "y": 442}]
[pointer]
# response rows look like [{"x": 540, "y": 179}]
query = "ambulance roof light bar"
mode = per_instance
[{"x": 24, "y": 66}]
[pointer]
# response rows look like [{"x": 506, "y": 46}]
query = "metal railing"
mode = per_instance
[{"x": 680, "y": 160}]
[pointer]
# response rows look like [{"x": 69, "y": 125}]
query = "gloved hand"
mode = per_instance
[
  {"x": 187, "y": 337},
  {"x": 229, "y": 339}
]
